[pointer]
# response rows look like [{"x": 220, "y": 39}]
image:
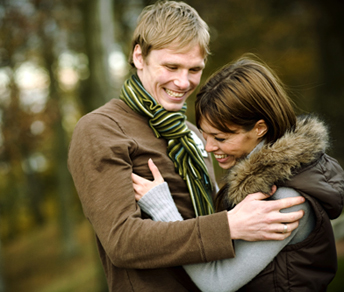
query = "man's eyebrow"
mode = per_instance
[
  {"x": 198, "y": 67},
  {"x": 170, "y": 63}
]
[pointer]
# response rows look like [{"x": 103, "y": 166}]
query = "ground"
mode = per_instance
[{"x": 35, "y": 263}]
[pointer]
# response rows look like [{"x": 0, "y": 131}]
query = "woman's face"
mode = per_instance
[{"x": 229, "y": 147}]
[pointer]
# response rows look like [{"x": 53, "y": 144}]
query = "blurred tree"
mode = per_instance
[
  {"x": 34, "y": 32},
  {"x": 18, "y": 144},
  {"x": 2, "y": 281},
  {"x": 301, "y": 40},
  {"x": 98, "y": 27},
  {"x": 126, "y": 15},
  {"x": 50, "y": 29},
  {"x": 328, "y": 26}
]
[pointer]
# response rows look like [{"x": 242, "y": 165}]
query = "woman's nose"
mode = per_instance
[{"x": 210, "y": 145}]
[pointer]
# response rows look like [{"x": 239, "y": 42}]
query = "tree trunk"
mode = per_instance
[
  {"x": 99, "y": 41},
  {"x": 2, "y": 282},
  {"x": 329, "y": 25},
  {"x": 63, "y": 181}
]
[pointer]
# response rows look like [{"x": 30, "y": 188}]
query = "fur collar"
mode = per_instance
[{"x": 278, "y": 162}]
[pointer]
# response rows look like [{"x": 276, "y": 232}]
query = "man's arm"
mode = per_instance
[
  {"x": 252, "y": 220},
  {"x": 100, "y": 161}
]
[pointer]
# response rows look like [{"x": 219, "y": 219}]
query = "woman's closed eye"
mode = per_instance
[{"x": 219, "y": 139}]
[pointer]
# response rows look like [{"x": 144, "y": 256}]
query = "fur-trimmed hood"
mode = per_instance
[{"x": 278, "y": 162}]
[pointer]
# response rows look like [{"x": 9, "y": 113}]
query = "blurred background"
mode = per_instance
[{"x": 60, "y": 59}]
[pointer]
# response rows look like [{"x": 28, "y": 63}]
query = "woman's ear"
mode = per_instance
[
  {"x": 261, "y": 128},
  {"x": 137, "y": 57}
]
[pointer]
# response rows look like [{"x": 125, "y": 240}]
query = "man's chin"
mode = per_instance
[{"x": 173, "y": 107}]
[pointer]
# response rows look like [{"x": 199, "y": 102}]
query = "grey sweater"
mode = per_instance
[{"x": 251, "y": 257}]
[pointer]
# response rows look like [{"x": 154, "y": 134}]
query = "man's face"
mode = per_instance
[{"x": 170, "y": 76}]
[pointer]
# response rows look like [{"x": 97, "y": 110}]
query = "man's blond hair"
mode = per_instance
[{"x": 169, "y": 24}]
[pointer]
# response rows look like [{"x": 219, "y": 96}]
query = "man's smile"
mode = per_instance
[{"x": 173, "y": 93}]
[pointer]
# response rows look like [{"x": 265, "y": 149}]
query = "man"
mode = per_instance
[{"x": 170, "y": 46}]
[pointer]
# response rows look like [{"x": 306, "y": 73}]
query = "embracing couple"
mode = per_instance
[{"x": 164, "y": 225}]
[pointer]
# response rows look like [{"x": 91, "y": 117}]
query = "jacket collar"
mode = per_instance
[{"x": 269, "y": 164}]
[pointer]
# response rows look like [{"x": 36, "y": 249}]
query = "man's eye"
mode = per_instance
[
  {"x": 171, "y": 67},
  {"x": 195, "y": 70}
]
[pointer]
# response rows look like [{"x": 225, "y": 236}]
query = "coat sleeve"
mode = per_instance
[
  {"x": 101, "y": 166},
  {"x": 251, "y": 257}
]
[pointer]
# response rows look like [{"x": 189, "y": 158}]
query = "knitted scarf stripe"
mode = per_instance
[
  {"x": 181, "y": 148},
  {"x": 184, "y": 158}
]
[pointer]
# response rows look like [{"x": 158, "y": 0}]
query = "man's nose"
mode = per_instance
[{"x": 182, "y": 80}]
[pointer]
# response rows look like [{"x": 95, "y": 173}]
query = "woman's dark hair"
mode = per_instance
[{"x": 242, "y": 93}]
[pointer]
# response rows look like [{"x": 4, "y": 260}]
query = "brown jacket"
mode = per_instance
[
  {"x": 138, "y": 255},
  {"x": 297, "y": 161}
]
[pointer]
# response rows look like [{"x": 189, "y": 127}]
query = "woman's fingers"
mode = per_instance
[
  {"x": 137, "y": 179},
  {"x": 138, "y": 197},
  {"x": 141, "y": 185},
  {"x": 155, "y": 171}
]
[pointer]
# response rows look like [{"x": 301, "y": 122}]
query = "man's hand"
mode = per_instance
[{"x": 254, "y": 219}]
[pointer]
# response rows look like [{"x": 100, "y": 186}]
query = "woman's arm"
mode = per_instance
[
  {"x": 251, "y": 257},
  {"x": 158, "y": 203}
]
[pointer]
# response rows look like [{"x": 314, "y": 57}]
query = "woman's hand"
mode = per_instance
[{"x": 142, "y": 185}]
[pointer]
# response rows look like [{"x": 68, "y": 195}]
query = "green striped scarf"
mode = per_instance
[{"x": 181, "y": 148}]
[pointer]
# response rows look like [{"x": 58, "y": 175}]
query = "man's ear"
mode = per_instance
[
  {"x": 137, "y": 57},
  {"x": 261, "y": 128}
]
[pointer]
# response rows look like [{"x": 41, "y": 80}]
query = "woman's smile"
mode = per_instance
[{"x": 229, "y": 147}]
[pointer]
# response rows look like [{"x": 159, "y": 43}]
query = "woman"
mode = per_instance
[{"x": 250, "y": 126}]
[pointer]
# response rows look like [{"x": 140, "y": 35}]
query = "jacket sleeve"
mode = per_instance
[
  {"x": 101, "y": 166},
  {"x": 251, "y": 257},
  {"x": 326, "y": 184}
]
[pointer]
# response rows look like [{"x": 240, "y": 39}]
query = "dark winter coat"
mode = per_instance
[{"x": 297, "y": 160}]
